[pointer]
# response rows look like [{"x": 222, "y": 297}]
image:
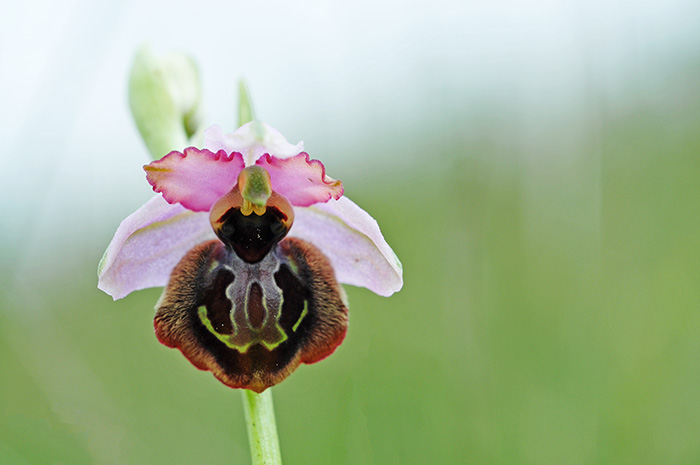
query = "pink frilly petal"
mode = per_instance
[
  {"x": 253, "y": 139},
  {"x": 351, "y": 239},
  {"x": 301, "y": 180},
  {"x": 196, "y": 178},
  {"x": 147, "y": 246}
]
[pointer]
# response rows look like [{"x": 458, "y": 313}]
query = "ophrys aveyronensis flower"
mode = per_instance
[{"x": 250, "y": 238}]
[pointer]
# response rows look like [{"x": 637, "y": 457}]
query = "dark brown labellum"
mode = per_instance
[{"x": 252, "y": 324}]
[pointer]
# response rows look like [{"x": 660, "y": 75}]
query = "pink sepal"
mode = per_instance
[
  {"x": 353, "y": 242},
  {"x": 147, "y": 246},
  {"x": 252, "y": 140}
]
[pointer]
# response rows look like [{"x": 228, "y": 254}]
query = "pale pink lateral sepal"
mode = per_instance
[
  {"x": 147, "y": 246},
  {"x": 301, "y": 180},
  {"x": 253, "y": 140},
  {"x": 353, "y": 242},
  {"x": 195, "y": 178}
]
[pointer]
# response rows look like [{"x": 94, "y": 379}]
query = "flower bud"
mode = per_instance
[{"x": 164, "y": 96}]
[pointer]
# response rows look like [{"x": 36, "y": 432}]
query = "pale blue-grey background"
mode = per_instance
[{"x": 535, "y": 165}]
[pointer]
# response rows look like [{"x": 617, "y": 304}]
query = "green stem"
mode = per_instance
[{"x": 262, "y": 429}]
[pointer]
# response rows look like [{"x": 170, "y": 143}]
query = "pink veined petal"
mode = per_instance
[
  {"x": 195, "y": 178},
  {"x": 253, "y": 139},
  {"x": 351, "y": 239},
  {"x": 147, "y": 246},
  {"x": 301, "y": 180}
]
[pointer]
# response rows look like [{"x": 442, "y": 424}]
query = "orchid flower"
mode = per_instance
[{"x": 251, "y": 239}]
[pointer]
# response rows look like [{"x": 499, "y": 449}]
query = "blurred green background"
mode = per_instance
[{"x": 535, "y": 166}]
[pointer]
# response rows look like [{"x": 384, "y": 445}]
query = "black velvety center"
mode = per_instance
[{"x": 252, "y": 236}]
